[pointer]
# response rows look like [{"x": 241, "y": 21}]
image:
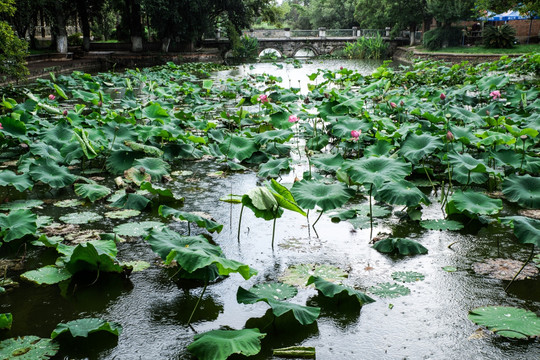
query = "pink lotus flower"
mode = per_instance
[
  {"x": 52, "y": 97},
  {"x": 393, "y": 105},
  {"x": 495, "y": 94},
  {"x": 65, "y": 112},
  {"x": 442, "y": 96},
  {"x": 355, "y": 134},
  {"x": 263, "y": 98},
  {"x": 449, "y": 136},
  {"x": 1, "y": 126},
  {"x": 341, "y": 68},
  {"x": 293, "y": 119}
]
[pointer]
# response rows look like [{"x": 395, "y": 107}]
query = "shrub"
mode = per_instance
[
  {"x": 499, "y": 36},
  {"x": 246, "y": 48},
  {"x": 442, "y": 36},
  {"x": 75, "y": 39},
  {"x": 13, "y": 53},
  {"x": 367, "y": 48}
]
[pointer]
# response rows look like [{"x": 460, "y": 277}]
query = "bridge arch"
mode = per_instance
[
  {"x": 271, "y": 50},
  {"x": 305, "y": 48},
  {"x": 337, "y": 49}
]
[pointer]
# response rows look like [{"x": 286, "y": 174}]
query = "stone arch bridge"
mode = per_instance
[{"x": 288, "y": 43}]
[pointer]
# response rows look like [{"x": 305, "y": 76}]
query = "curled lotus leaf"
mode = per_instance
[
  {"x": 21, "y": 204},
  {"x": 84, "y": 327},
  {"x": 202, "y": 221},
  {"x": 17, "y": 224},
  {"x": 416, "y": 147},
  {"x": 525, "y": 190},
  {"x": 238, "y": 147},
  {"x": 92, "y": 191},
  {"x": 20, "y": 182},
  {"x": 329, "y": 163},
  {"x": 402, "y": 246},
  {"x": 329, "y": 289},
  {"x": 376, "y": 170},
  {"x": 220, "y": 344},
  {"x": 156, "y": 167},
  {"x": 51, "y": 173},
  {"x": 527, "y": 230},
  {"x": 507, "y": 321},
  {"x": 273, "y": 168}
]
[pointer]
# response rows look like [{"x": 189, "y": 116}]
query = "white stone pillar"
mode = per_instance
[{"x": 322, "y": 32}]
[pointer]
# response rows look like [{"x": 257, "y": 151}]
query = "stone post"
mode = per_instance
[
  {"x": 218, "y": 34},
  {"x": 322, "y": 32},
  {"x": 355, "y": 31},
  {"x": 387, "y": 31},
  {"x": 287, "y": 32}
]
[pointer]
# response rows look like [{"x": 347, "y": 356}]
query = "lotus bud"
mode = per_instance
[
  {"x": 523, "y": 137},
  {"x": 442, "y": 96},
  {"x": 449, "y": 136},
  {"x": 52, "y": 97},
  {"x": 393, "y": 105},
  {"x": 341, "y": 68},
  {"x": 65, "y": 112},
  {"x": 355, "y": 134},
  {"x": 293, "y": 119},
  {"x": 401, "y": 103},
  {"x": 100, "y": 103}
]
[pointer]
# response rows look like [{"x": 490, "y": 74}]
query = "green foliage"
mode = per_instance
[
  {"x": 329, "y": 289},
  {"x": 401, "y": 246},
  {"x": 13, "y": 53},
  {"x": 75, "y": 39},
  {"x": 6, "y": 320},
  {"x": 28, "y": 348},
  {"x": 506, "y": 321},
  {"x": 367, "y": 48},
  {"x": 442, "y": 37},
  {"x": 85, "y": 327},
  {"x": 448, "y": 12},
  {"x": 220, "y": 344},
  {"x": 500, "y": 37},
  {"x": 246, "y": 48}
]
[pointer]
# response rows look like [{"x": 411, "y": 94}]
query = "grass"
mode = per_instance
[{"x": 518, "y": 49}]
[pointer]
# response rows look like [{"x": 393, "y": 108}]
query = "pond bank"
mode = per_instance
[{"x": 408, "y": 55}]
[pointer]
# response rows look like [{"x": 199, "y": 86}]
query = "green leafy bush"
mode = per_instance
[
  {"x": 75, "y": 39},
  {"x": 499, "y": 36},
  {"x": 246, "y": 48},
  {"x": 443, "y": 36},
  {"x": 367, "y": 48},
  {"x": 13, "y": 52}
]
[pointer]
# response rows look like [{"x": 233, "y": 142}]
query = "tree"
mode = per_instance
[
  {"x": 332, "y": 14},
  {"x": 447, "y": 12},
  {"x": 13, "y": 50}
]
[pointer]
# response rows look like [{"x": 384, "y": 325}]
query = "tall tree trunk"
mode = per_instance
[
  {"x": 85, "y": 24},
  {"x": 135, "y": 25},
  {"x": 412, "y": 35},
  {"x": 60, "y": 27},
  {"x": 165, "y": 42}
]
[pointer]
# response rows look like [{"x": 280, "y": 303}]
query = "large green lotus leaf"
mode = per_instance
[
  {"x": 203, "y": 222},
  {"x": 401, "y": 192},
  {"x": 220, "y": 344},
  {"x": 81, "y": 217},
  {"x": 28, "y": 348},
  {"x": 304, "y": 314},
  {"x": 491, "y": 138},
  {"x": 92, "y": 191},
  {"x": 274, "y": 167},
  {"x": 157, "y": 190},
  {"x": 472, "y": 202},
  {"x": 47, "y": 275},
  {"x": 310, "y": 193},
  {"x": 407, "y": 276},
  {"x": 416, "y": 147},
  {"x": 275, "y": 290},
  {"x": 284, "y": 197},
  {"x": 329, "y": 163},
  {"x": 380, "y": 148},
  {"x": 51, "y": 173},
  {"x": 155, "y": 112},
  {"x": 525, "y": 190},
  {"x": 85, "y": 96},
  {"x": 137, "y": 228},
  {"x": 121, "y": 160},
  {"x": 464, "y": 134},
  {"x": 469, "y": 162},
  {"x": 193, "y": 253},
  {"x": 21, "y": 204},
  {"x": 263, "y": 203},
  {"x": 317, "y": 143},
  {"x": 390, "y": 290},
  {"x": 17, "y": 224},
  {"x": 46, "y": 151},
  {"x": 402, "y": 246},
  {"x": 154, "y": 166},
  {"x": 13, "y": 127},
  {"x": 441, "y": 224},
  {"x": 507, "y": 157},
  {"x": 343, "y": 127},
  {"x": 492, "y": 82},
  {"x": 462, "y": 175},
  {"x": 468, "y": 117},
  {"x": 20, "y": 182},
  {"x": 527, "y": 230},
  {"x": 84, "y": 327},
  {"x": 279, "y": 136},
  {"x": 58, "y": 136},
  {"x": 329, "y": 289},
  {"x": 507, "y": 321},
  {"x": 87, "y": 257},
  {"x": 131, "y": 201},
  {"x": 147, "y": 149},
  {"x": 298, "y": 275},
  {"x": 376, "y": 170},
  {"x": 238, "y": 147},
  {"x": 6, "y": 320}
]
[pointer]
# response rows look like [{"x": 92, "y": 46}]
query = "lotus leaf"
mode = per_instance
[
  {"x": 468, "y": 117},
  {"x": 193, "y": 253},
  {"x": 298, "y": 275},
  {"x": 338, "y": 215},
  {"x": 122, "y": 214},
  {"x": 154, "y": 111},
  {"x": 220, "y": 344},
  {"x": 238, "y": 147},
  {"x": 401, "y": 192},
  {"x": 464, "y": 176},
  {"x": 472, "y": 202},
  {"x": 390, "y": 290},
  {"x": 51, "y": 173},
  {"x": 449, "y": 268},
  {"x": 28, "y": 348},
  {"x": 361, "y": 222},
  {"x": 376, "y": 170},
  {"x": 203, "y": 222},
  {"x": 6, "y": 320},
  {"x": 303, "y": 352},
  {"x": 276, "y": 291},
  {"x": 21, "y": 204},
  {"x": 20, "y": 182},
  {"x": 17, "y": 224},
  {"x": 274, "y": 167},
  {"x": 378, "y": 211},
  {"x": 137, "y": 176},
  {"x": 154, "y": 166},
  {"x": 46, "y": 151},
  {"x": 157, "y": 190},
  {"x": 407, "y": 276},
  {"x": 416, "y": 147},
  {"x": 147, "y": 149},
  {"x": 344, "y": 125},
  {"x": 135, "y": 265},
  {"x": 95, "y": 255},
  {"x": 232, "y": 198},
  {"x": 402, "y": 246},
  {"x": 329, "y": 163},
  {"x": 92, "y": 191},
  {"x": 527, "y": 230},
  {"x": 469, "y": 162},
  {"x": 137, "y": 228},
  {"x": 310, "y": 193},
  {"x": 279, "y": 136},
  {"x": 380, "y": 148},
  {"x": 81, "y": 218},
  {"x": 525, "y": 190},
  {"x": 329, "y": 289},
  {"x": 84, "y": 327},
  {"x": 13, "y": 127},
  {"x": 441, "y": 225},
  {"x": 317, "y": 143},
  {"x": 121, "y": 160},
  {"x": 69, "y": 203},
  {"x": 263, "y": 203},
  {"x": 506, "y": 321},
  {"x": 284, "y": 197},
  {"x": 47, "y": 275},
  {"x": 304, "y": 314},
  {"x": 131, "y": 201}
]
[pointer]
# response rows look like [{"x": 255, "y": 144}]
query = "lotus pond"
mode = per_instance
[{"x": 195, "y": 211}]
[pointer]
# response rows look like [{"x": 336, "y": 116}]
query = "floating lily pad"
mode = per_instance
[
  {"x": 276, "y": 291},
  {"x": 92, "y": 192},
  {"x": 507, "y": 321},
  {"x": 137, "y": 228},
  {"x": 449, "y": 268},
  {"x": 303, "y": 352},
  {"x": 44, "y": 221},
  {"x": 441, "y": 224},
  {"x": 298, "y": 275},
  {"x": 21, "y": 204},
  {"x": 390, "y": 290},
  {"x": 136, "y": 176},
  {"x": 136, "y": 265},
  {"x": 84, "y": 217},
  {"x": 220, "y": 344},
  {"x": 69, "y": 203},
  {"x": 47, "y": 275},
  {"x": 329, "y": 289},
  {"x": 361, "y": 222},
  {"x": 232, "y": 198},
  {"x": 504, "y": 269},
  {"x": 407, "y": 276},
  {"x": 122, "y": 214},
  {"x": 182, "y": 173},
  {"x": 402, "y": 246},
  {"x": 28, "y": 348},
  {"x": 84, "y": 327}
]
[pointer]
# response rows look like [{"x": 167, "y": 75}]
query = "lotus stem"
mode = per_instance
[
  {"x": 317, "y": 220},
  {"x": 197, "y": 304},
  {"x": 522, "y": 158},
  {"x": 523, "y": 267},
  {"x": 188, "y": 229},
  {"x": 370, "y": 214},
  {"x": 273, "y": 232},
  {"x": 110, "y": 149},
  {"x": 240, "y": 221},
  {"x": 427, "y": 174}
]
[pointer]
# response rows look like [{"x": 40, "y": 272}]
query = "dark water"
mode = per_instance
[{"x": 430, "y": 323}]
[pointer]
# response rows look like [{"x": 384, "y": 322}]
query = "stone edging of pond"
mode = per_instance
[{"x": 408, "y": 55}]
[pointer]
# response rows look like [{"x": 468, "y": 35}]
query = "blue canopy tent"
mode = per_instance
[{"x": 507, "y": 16}]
